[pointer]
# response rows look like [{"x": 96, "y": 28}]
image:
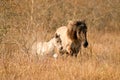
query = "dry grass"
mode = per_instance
[{"x": 24, "y": 21}]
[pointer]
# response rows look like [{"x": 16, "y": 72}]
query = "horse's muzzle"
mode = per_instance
[{"x": 85, "y": 44}]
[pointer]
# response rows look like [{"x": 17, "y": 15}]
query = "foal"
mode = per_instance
[{"x": 46, "y": 48}]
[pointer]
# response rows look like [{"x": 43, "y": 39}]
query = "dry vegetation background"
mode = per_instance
[{"x": 24, "y": 21}]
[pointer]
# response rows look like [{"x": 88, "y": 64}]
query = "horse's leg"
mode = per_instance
[
  {"x": 75, "y": 55},
  {"x": 71, "y": 52},
  {"x": 62, "y": 52}
]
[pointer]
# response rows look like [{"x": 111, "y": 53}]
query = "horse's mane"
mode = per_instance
[{"x": 72, "y": 29}]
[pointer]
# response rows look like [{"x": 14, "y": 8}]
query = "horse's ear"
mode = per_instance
[
  {"x": 56, "y": 35},
  {"x": 70, "y": 22}
]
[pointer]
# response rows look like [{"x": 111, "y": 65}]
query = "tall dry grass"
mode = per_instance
[{"x": 24, "y": 21}]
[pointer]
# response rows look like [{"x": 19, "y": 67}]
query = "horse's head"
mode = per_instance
[
  {"x": 81, "y": 32},
  {"x": 58, "y": 42}
]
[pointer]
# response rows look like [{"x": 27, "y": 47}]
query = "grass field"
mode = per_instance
[{"x": 24, "y": 21}]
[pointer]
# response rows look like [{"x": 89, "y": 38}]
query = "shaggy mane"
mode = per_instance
[{"x": 72, "y": 30}]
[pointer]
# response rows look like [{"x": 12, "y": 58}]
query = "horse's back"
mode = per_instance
[
  {"x": 62, "y": 29},
  {"x": 37, "y": 47}
]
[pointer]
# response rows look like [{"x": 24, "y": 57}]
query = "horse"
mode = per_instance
[
  {"x": 72, "y": 36},
  {"x": 47, "y": 48}
]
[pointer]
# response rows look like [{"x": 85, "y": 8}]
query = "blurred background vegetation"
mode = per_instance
[
  {"x": 24, "y": 16},
  {"x": 24, "y": 21}
]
